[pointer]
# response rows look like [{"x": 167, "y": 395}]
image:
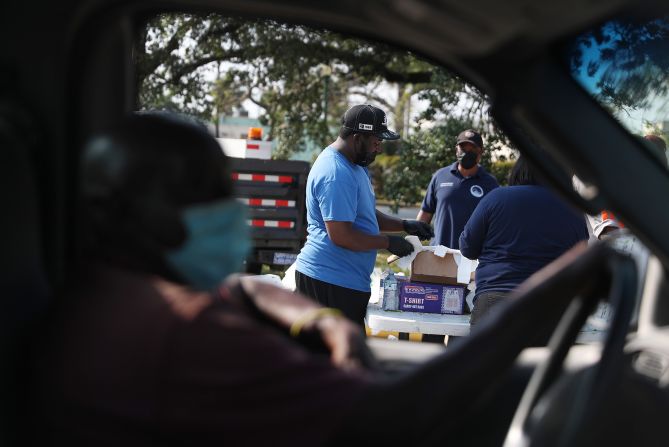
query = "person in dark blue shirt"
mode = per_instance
[
  {"x": 455, "y": 190},
  {"x": 514, "y": 232}
]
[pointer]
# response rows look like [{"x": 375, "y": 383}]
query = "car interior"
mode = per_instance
[{"x": 69, "y": 72}]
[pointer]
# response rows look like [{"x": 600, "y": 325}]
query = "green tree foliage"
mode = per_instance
[
  {"x": 208, "y": 65},
  {"x": 284, "y": 69},
  {"x": 405, "y": 180},
  {"x": 454, "y": 106},
  {"x": 501, "y": 169}
]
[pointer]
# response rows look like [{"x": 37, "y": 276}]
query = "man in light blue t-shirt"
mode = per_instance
[{"x": 343, "y": 224}]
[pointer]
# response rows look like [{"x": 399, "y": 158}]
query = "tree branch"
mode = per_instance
[{"x": 375, "y": 97}]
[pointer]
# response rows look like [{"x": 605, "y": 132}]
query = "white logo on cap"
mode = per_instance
[
  {"x": 476, "y": 191},
  {"x": 469, "y": 134},
  {"x": 365, "y": 126}
]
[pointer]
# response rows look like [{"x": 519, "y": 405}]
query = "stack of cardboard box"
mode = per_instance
[{"x": 433, "y": 286}]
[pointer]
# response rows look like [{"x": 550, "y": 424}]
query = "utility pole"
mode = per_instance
[
  {"x": 326, "y": 72},
  {"x": 218, "y": 102}
]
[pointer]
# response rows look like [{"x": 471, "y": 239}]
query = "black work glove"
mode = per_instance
[
  {"x": 399, "y": 246},
  {"x": 417, "y": 228}
]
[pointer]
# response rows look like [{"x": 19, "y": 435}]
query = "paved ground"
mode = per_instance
[{"x": 402, "y": 213}]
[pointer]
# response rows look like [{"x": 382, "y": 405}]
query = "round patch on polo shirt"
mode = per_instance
[{"x": 476, "y": 191}]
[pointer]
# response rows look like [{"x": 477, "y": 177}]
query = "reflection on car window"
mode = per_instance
[{"x": 624, "y": 65}]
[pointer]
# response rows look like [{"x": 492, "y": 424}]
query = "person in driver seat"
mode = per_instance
[{"x": 158, "y": 342}]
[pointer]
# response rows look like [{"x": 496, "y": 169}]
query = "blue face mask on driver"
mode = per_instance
[{"x": 217, "y": 243}]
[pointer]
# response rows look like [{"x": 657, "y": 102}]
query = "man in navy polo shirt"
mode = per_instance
[{"x": 455, "y": 190}]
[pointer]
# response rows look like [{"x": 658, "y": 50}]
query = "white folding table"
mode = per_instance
[{"x": 378, "y": 320}]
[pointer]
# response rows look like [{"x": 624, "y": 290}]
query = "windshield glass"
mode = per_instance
[{"x": 624, "y": 65}]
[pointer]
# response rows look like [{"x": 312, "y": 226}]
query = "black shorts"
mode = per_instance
[{"x": 352, "y": 303}]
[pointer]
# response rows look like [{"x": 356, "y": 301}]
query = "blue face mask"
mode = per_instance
[{"x": 217, "y": 243}]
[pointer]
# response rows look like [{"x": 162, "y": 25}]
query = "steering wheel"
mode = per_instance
[{"x": 606, "y": 269}]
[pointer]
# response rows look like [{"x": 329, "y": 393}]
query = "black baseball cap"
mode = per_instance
[
  {"x": 470, "y": 136},
  {"x": 365, "y": 118}
]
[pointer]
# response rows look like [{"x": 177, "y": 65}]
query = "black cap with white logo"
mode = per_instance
[
  {"x": 366, "y": 118},
  {"x": 470, "y": 136}
]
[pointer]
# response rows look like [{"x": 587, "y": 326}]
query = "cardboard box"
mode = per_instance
[
  {"x": 432, "y": 298},
  {"x": 427, "y": 267}
]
